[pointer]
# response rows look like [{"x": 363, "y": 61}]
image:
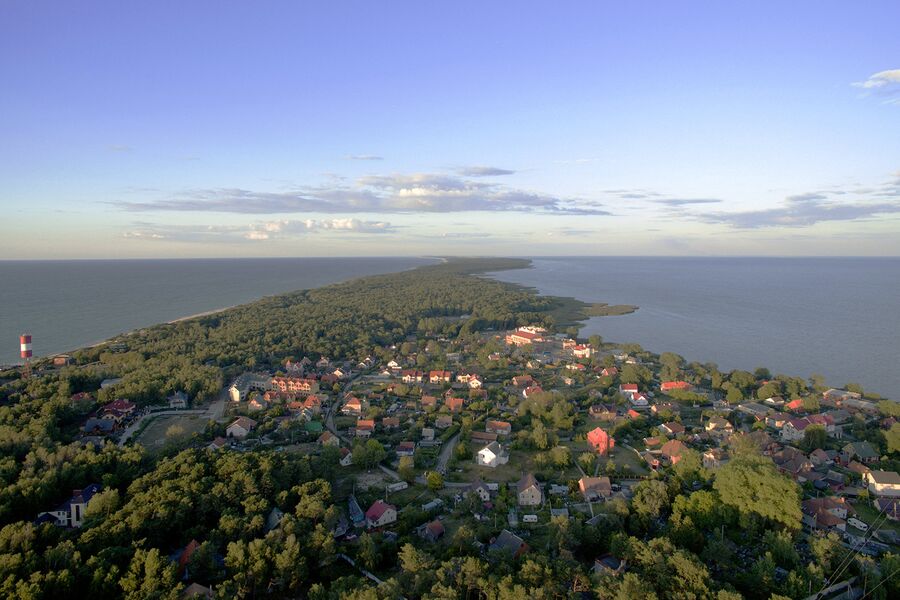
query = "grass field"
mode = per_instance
[{"x": 175, "y": 429}]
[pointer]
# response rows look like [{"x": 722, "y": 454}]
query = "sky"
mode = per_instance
[{"x": 221, "y": 129}]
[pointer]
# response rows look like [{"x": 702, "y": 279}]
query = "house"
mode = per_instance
[
  {"x": 883, "y": 483},
  {"x": 819, "y": 457},
  {"x": 575, "y": 367},
  {"x": 600, "y": 441},
  {"x": 428, "y": 401},
  {"x": 313, "y": 404},
  {"x": 890, "y": 507},
  {"x": 406, "y": 448},
  {"x": 777, "y": 420},
  {"x": 439, "y": 376},
  {"x": 595, "y": 488},
  {"x": 861, "y": 451},
  {"x": 521, "y": 337},
  {"x": 240, "y": 428},
  {"x": 795, "y": 405},
  {"x": 719, "y": 426},
  {"x": 476, "y": 382},
  {"x": 217, "y": 444},
  {"x": 390, "y": 422},
  {"x": 531, "y": 391},
  {"x": 294, "y": 385},
  {"x": 522, "y": 380},
  {"x": 672, "y": 451},
  {"x": 793, "y": 430},
  {"x": 608, "y": 564},
  {"x": 353, "y": 406},
  {"x": 826, "y": 512},
  {"x": 627, "y": 389},
  {"x": 329, "y": 439},
  {"x": 638, "y": 400},
  {"x": 582, "y": 351},
  {"x": 498, "y": 427},
  {"x": 257, "y": 404},
  {"x": 483, "y": 437},
  {"x": 380, "y": 514},
  {"x": 178, "y": 400},
  {"x": 432, "y": 531},
  {"x": 443, "y": 421},
  {"x": 509, "y": 543},
  {"x": 755, "y": 410},
  {"x": 714, "y": 458},
  {"x": 427, "y": 434},
  {"x": 364, "y": 427},
  {"x": 838, "y": 397},
  {"x": 71, "y": 512},
  {"x": 492, "y": 456},
  {"x": 454, "y": 404},
  {"x": 118, "y": 410},
  {"x": 528, "y": 491},
  {"x": 99, "y": 426},
  {"x": 664, "y": 408},
  {"x": 601, "y": 413},
  {"x": 668, "y": 386},
  {"x": 480, "y": 488},
  {"x": 412, "y": 376},
  {"x": 609, "y": 372},
  {"x": 672, "y": 428}
]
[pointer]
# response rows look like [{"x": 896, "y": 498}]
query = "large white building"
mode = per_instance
[{"x": 492, "y": 456}]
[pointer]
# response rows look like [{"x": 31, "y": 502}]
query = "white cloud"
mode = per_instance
[{"x": 885, "y": 84}]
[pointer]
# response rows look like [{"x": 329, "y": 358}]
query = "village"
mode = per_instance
[{"x": 507, "y": 434}]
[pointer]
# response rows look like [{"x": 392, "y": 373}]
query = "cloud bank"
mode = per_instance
[
  {"x": 253, "y": 232},
  {"x": 384, "y": 194}
]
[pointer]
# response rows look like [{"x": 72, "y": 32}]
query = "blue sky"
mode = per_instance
[{"x": 364, "y": 128}]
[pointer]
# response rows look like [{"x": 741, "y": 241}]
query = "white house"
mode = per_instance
[
  {"x": 492, "y": 456},
  {"x": 380, "y": 514},
  {"x": 529, "y": 491},
  {"x": 346, "y": 457},
  {"x": 883, "y": 483},
  {"x": 71, "y": 512},
  {"x": 241, "y": 427}
]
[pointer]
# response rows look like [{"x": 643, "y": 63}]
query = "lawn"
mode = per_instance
[{"x": 170, "y": 429}]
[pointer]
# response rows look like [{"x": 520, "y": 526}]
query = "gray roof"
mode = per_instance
[{"x": 507, "y": 542}]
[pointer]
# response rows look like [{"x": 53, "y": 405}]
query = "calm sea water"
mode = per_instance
[
  {"x": 839, "y": 317},
  {"x": 70, "y": 304}
]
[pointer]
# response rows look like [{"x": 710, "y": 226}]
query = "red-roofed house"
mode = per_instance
[
  {"x": 364, "y": 427},
  {"x": 498, "y": 427},
  {"x": 668, "y": 386},
  {"x": 600, "y": 441},
  {"x": 455, "y": 404},
  {"x": 532, "y": 390},
  {"x": 380, "y": 514},
  {"x": 672, "y": 451},
  {"x": 582, "y": 351},
  {"x": 520, "y": 338},
  {"x": 439, "y": 376},
  {"x": 609, "y": 372}
]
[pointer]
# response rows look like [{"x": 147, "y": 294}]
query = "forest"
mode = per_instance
[{"x": 718, "y": 541}]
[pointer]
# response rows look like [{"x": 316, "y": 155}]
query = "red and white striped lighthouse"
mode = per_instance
[
  {"x": 25, "y": 345},
  {"x": 25, "y": 353}
]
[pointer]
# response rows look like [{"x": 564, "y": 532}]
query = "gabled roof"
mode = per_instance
[
  {"x": 377, "y": 510},
  {"x": 527, "y": 482},
  {"x": 244, "y": 422}
]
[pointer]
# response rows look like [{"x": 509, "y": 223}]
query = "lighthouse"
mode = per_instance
[{"x": 25, "y": 353}]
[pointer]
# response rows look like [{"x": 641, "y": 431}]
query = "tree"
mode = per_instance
[
  {"x": 596, "y": 341},
  {"x": 368, "y": 552},
  {"x": 814, "y": 436},
  {"x": 586, "y": 461},
  {"x": 734, "y": 396},
  {"x": 375, "y": 452},
  {"x": 434, "y": 481},
  {"x": 751, "y": 484},
  {"x": 406, "y": 469},
  {"x": 412, "y": 560},
  {"x": 103, "y": 503},
  {"x": 651, "y": 498},
  {"x": 150, "y": 576},
  {"x": 892, "y": 438}
]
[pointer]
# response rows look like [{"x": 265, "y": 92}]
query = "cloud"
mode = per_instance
[
  {"x": 121, "y": 148},
  {"x": 483, "y": 171},
  {"x": 253, "y": 232},
  {"x": 363, "y": 157},
  {"x": 885, "y": 84},
  {"x": 803, "y": 210},
  {"x": 686, "y": 201},
  {"x": 384, "y": 194}
]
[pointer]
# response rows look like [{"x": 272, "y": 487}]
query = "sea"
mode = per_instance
[
  {"x": 838, "y": 317},
  {"x": 70, "y": 304}
]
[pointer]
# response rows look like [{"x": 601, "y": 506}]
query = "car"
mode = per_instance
[{"x": 854, "y": 522}]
